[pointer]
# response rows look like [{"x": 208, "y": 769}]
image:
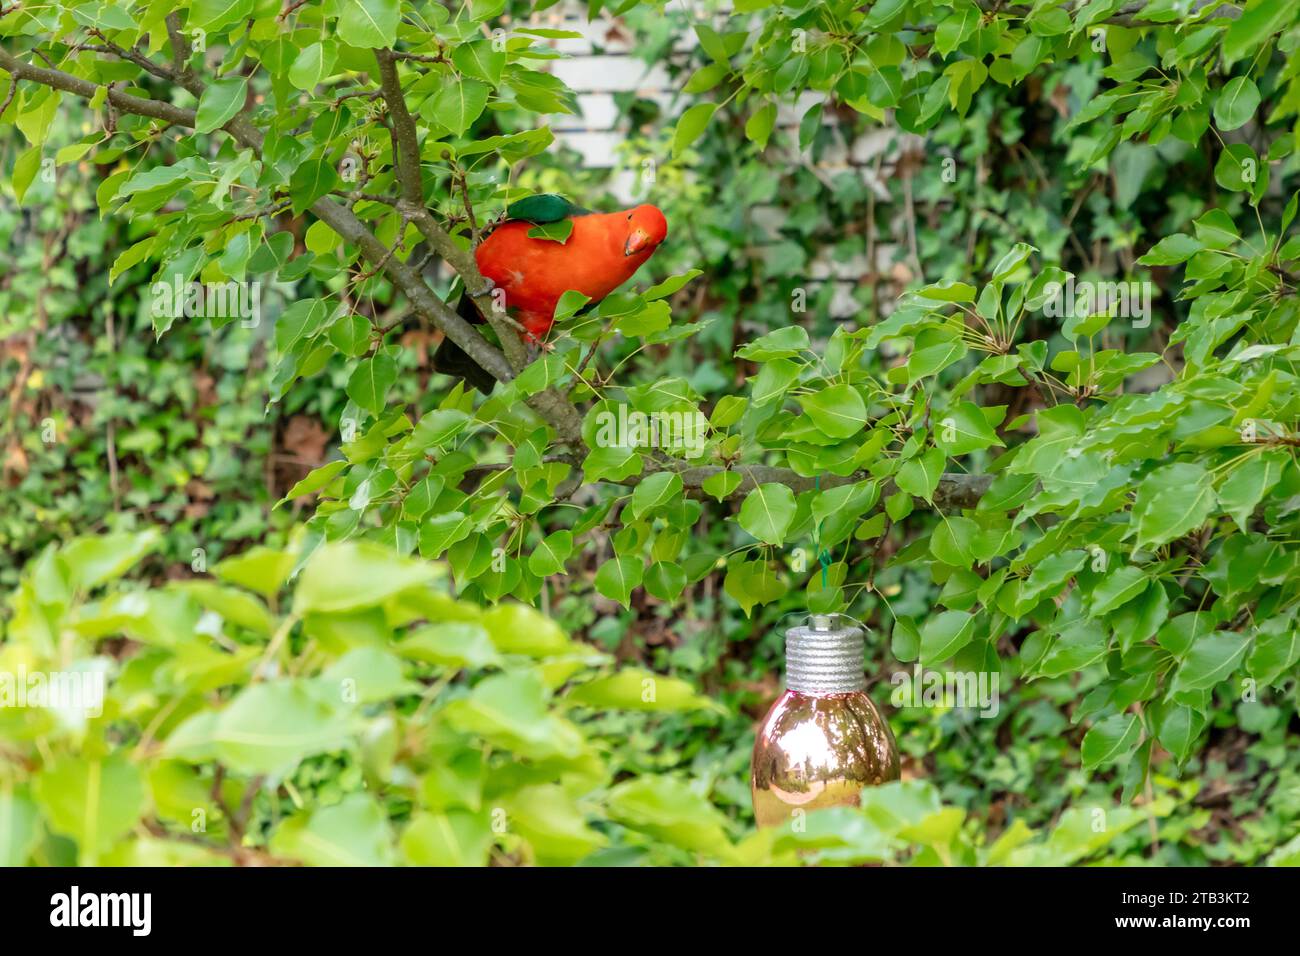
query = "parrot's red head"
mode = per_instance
[{"x": 646, "y": 228}]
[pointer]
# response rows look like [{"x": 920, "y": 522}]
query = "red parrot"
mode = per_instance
[{"x": 601, "y": 252}]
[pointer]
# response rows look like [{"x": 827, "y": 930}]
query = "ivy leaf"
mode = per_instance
[{"x": 767, "y": 512}]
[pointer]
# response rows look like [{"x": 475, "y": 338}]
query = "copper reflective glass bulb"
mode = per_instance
[{"x": 823, "y": 741}]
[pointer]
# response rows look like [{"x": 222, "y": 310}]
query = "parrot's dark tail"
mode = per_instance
[{"x": 450, "y": 358}]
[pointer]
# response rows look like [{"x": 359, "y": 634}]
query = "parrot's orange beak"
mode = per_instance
[{"x": 638, "y": 240}]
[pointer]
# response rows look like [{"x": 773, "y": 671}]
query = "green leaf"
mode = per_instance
[
  {"x": 920, "y": 476},
  {"x": 369, "y": 23},
  {"x": 346, "y": 575},
  {"x": 93, "y": 801},
  {"x": 25, "y": 167},
  {"x": 1172, "y": 250},
  {"x": 636, "y": 689},
  {"x": 1118, "y": 588},
  {"x": 1177, "y": 726},
  {"x": 452, "y": 838},
  {"x": 20, "y": 828},
  {"x": 948, "y": 292},
  {"x": 965, "y": 429},
  {"x": 1277, "y": 648},
  {"x": 455, "y": 644},
  {"x": 783, "y": 343},
  {"x": 96, "y": 559},
  {"x": 767, "y": 512},
  {"x": 670, "y": 285},
  {"x": 758, "y": 128},
  {"x": 368, "y": 675},
  {"x": 554, "y": 826},
  {"x": 219, "y": 103},
  {"x": 370, "y": 381},
  {"x": 691, "y": 126},
  {"x": 721, "y": 484},
  {"x": 265, "y": 729},
  {"x": 353, "y": 832},
  {"x": 259, "y": 569},
  {"x": 309, "y": 182},
  {"x": 751, "y": 583},
  {"x": 554, "y": 232},
  {"x": 1110, "y": 740},
  {"x": 509, "y": 711},
  {"x": 1211, "y": 658},
  {"x": 654, "y": 492},
  {"x": 665, "y": 580},
  {"x": 1171, "y": 501},
  {"x": 212, "y": 15},
  {"x": 317, "y": 479},
  {"x": 234, "y": 606},
  {"x": 618, "y": 577},
  {"x": 437, "y": 429},
  {"x": 837, "y": 411},
  {"x": 1236, "y": 103},
  {"x": 312, "y": 65},
  {"x": 1248, "y": 483},
  {"x": 669, "y": 810},
  {"x": 457, "y": 104},
  {"x": 1257, "y": 22},
  {"x": 549, "y": 556},
  {"x": 480, "y": 60},
  {"x": 944, "y": 634}
]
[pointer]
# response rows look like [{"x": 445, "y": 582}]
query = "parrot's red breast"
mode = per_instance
[{"x": 602, "y": 252}]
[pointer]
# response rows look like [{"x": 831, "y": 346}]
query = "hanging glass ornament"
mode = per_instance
[{"x": 823, "y": 741}]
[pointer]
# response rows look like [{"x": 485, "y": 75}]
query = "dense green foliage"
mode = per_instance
[{"x": 1099, "y": 505}]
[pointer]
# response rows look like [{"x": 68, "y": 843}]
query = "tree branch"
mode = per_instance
[{"x": 954, "y": 490}]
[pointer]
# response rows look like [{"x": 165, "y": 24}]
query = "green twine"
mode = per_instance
[{"x": 823, "y": 556}]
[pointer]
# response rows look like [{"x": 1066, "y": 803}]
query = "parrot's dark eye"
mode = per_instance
[{"x": 629, "y": 217}]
